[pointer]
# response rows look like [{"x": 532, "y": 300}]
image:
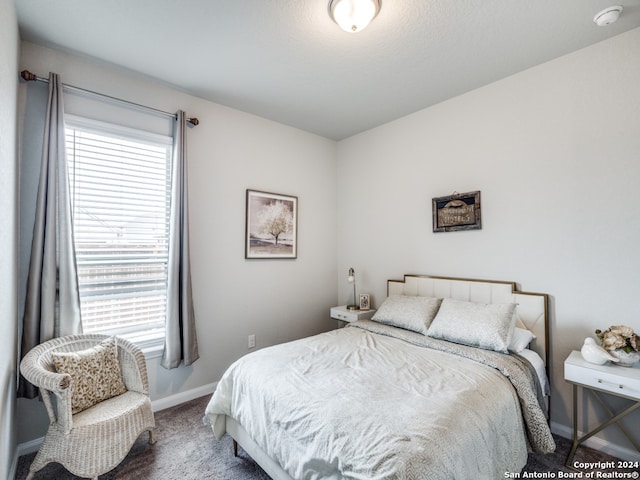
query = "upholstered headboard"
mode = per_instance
[{"x": 531, "y": 312}]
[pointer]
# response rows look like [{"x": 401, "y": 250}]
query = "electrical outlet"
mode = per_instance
[{"x": 251, "y": 341}]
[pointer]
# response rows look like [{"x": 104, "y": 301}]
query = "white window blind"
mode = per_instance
[{"x": 120, "y": 187}]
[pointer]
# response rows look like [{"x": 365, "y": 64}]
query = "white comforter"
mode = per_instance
[{"x": 353, "y": 403}]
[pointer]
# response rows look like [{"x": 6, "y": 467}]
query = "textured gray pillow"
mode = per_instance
[
  {"x": 408, "y": 312},
  {"x": 488, "y": 326}
]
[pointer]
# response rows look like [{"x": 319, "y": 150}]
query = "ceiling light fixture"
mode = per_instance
[
  {"x": 607, "y": 16},
  {"x": 353, "y": 15}
]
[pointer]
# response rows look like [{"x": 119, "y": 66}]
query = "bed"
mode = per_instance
[{"x": 448, "y": 380}]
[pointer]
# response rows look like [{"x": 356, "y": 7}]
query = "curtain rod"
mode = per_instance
[{"x": 32, "y": 77}]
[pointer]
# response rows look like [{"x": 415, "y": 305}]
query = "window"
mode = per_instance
[{"x": 120, "y": 192}]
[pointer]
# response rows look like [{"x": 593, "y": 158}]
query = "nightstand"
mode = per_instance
[
  {"x": 619, "y": 381},
  {"x": 342, "y": 314}
]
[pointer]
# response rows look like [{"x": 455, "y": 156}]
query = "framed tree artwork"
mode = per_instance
[{"x": 271, "y": 225}]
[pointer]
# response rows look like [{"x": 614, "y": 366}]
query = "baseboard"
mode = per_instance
[
  {"x": 157, "y": 405},
  {"x": 182, "y": 397},
  {"x": 28, "y": 447},
  {"x": 598, "y": 444},
  {"x": 14, "y": 467}
]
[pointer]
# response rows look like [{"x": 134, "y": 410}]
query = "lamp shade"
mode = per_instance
[{"x": 353, "y": 15}]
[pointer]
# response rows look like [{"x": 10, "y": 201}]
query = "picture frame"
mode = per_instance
[
  {"x": 460, "y": 211},
  {"x": 364, "y": 301},
  {"x": 271, "y": 225}
]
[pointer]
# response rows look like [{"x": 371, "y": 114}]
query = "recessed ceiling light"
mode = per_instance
[{"x": 607, "y": 16}]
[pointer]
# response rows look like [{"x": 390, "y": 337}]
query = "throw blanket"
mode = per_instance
[
  {"x": 517, "y": 369},
  {"x": 377, "y": 402}
]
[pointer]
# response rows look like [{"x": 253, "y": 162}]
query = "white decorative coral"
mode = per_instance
[{"x": 619, "y": 337}]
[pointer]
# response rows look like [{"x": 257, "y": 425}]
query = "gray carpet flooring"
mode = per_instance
[{"x": 186, "y": 450}]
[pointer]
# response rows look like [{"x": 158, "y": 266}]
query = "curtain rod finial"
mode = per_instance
[
  {"x": 28, "y": 76},
  {"x": 193, "y": 121}
]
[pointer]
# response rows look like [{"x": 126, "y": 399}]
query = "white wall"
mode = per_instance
[
  {"x": 230, "y": 151},
  {"x": 9, "y": 47},
  {"x": 555, "y": 152}
]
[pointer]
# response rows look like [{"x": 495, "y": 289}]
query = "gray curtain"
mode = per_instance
[
  {"x": 180, "y": 342},
  {"x": 52, "y": 304}
]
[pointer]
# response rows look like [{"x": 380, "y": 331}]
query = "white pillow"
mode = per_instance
[
  {"x": 488, "y": 326},
  {"x": 520, "y": 340},
  {"x": 408, "y": 312},
  {"x": 538, "y": 365}
]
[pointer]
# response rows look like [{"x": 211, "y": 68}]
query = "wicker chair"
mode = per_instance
[{"x": 93, "y": 441}]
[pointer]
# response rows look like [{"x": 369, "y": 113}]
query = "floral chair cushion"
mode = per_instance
[{"x": 95, "y": 374}]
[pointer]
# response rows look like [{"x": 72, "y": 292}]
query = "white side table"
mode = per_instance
[
  {"x": 619, "y": 381},
  {"x": 344, "y": 315}
]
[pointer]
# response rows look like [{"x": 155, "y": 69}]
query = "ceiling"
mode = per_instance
[{"x": 286, "y": 60}]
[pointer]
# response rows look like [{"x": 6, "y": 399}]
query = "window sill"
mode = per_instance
[
  {"x": 152, "y": 351},
  {"x": 151, "y": 343}
]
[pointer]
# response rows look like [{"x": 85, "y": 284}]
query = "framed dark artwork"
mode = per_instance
[
  {"x": 271, "y": 225},
  {"x": 460, "y": 211}
]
